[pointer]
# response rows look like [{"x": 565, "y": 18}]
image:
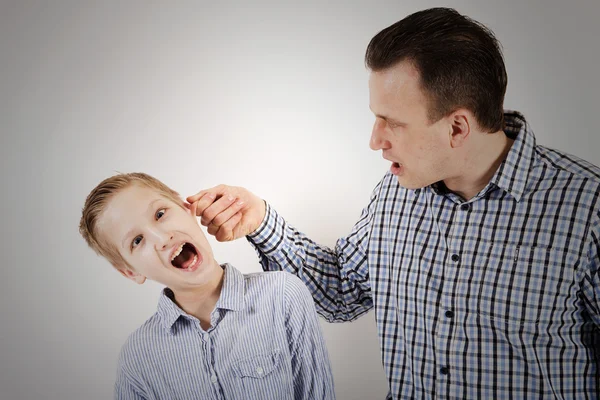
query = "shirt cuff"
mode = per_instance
[{"x": 270, "y": 233}]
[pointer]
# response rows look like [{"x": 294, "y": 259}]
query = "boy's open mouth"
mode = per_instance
[{"x": 185, "y": 256}]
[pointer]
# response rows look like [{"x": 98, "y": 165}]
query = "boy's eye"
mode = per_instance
[
  {"x": 160, "y": 213},
  {"x": 136, "y": 241}
]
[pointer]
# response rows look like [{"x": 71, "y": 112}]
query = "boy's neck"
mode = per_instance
[{"x": 200, "y": 302}]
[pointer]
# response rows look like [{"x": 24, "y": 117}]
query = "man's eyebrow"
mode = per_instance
[
  {"x": 388, "y": 119},
  {"x": 130, "y": 232}
]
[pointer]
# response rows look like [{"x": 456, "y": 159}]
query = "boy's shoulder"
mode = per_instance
[
  {"x": 268, "y": 286},
  {"x": 143, "y": 342},
  {"x": 281, "y": 283},
  {"x": 274, "y": 279}
]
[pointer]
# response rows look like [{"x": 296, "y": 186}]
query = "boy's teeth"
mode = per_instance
[
  {"x": 177, "y": 252},
  {"x": 194, "y": 261}
]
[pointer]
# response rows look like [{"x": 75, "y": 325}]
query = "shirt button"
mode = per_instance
[
  {"x": 259, "y": 370},
  {"x": 213, "y": 379},
  {"x": 455, "y": 257},
  {"x": 449, "y": 313},
  {"x": 465, "y": 207},
  {"x": 444, "y": 370}
]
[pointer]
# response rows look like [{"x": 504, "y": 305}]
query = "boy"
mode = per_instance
[{"x": 217, "y": 334}]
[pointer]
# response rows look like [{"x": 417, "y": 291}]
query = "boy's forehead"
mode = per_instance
[
  {"x": 125, "y": 209},
  {"x": 133, "y": 198}
]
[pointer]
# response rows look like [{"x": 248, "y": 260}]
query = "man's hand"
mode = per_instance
[{"x": 228, "y": 212}]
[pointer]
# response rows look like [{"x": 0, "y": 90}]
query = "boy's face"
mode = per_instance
[{"x": 161, "y": 240}]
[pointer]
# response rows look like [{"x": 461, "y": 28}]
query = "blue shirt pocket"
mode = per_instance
[{"x": 260, "y": 365}]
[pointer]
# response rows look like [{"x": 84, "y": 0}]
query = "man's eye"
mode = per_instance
[
  {"x": 160, "y": 213},
  {"x": 136, "y": 241}
]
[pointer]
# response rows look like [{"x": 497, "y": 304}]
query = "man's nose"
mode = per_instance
[{"x": 378, "y": 136}]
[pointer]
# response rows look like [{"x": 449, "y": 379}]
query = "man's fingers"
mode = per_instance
[
  {"x": 225, "y": 232},
  {"x": 214, "y": 209},
  {"x": 204, "y": 202},
  {"x": 212, "y": 229},
  {"x": 229, "y": 212},
  {"x": 215, "y": 192},
  {"x": 193, "y": 207},
  {"x": 197, "y": 196}
]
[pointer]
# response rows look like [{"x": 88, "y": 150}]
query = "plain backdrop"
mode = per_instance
[{"x": 267, "y": 95}]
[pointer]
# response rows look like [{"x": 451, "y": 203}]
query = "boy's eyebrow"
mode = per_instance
[{"x": 130, "y": 232}]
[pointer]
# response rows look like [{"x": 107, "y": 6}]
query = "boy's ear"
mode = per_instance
[
  {"x": 129, "y": 274},
  {"x": 191, "y": 208}
]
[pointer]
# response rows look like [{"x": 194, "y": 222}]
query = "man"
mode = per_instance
[{"x": 479, "y": 249}]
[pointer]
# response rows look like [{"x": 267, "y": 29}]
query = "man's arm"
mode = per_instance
[
  {"x": 338, "y": 279},
  {"x": 310, "y": 361},
  {"x": 590, "y": 276}
]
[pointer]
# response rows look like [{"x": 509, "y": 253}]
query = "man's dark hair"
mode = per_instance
[{"x": 459, "y": 62}]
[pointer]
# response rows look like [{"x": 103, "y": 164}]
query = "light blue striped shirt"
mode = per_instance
[{"x": 265, "y": 342}]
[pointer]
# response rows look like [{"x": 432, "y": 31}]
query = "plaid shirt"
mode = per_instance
[{"x": 494, "y": 297}]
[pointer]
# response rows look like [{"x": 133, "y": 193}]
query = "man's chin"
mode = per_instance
[{"x": 407, "y": 184}]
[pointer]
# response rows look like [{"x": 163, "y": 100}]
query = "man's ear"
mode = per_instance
[
  {"x": 129, "y": 274},
  {"x": 460, "y": 127}
]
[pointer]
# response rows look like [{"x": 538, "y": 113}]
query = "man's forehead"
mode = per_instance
[{"x": 402, "y": 75}]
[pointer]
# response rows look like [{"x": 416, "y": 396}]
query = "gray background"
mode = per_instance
[{"x": 269, "y": 95}]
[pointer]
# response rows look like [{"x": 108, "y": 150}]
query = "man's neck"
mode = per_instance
[
  {"x": 201, "y": 301},
  {"x": 481, "y": 163}
]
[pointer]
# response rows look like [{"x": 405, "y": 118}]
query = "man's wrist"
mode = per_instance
[{"x": 254, "y": 234}]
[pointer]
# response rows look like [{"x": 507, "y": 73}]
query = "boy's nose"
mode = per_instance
[{"x": 165, "y": 241}]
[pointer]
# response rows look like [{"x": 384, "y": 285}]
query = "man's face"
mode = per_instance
[
  {"x": 418, "y": 149},
  {"x": 161, "y": 240}
]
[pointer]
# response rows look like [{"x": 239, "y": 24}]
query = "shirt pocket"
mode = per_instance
[
  {"x": 258, "y": 366},
  {"x": 265, "y": 376},
  {"x": 520, "y": 284}
]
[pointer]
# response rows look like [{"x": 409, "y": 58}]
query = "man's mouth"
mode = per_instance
[
  {"x": 396, "y": 168},
  {"x": 185, "y": 256}
]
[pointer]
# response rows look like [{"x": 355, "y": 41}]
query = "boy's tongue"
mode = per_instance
[{"x": 185, "y": 258}]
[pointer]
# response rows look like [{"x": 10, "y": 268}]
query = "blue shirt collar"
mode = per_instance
[
  {"x": 231, "y": 298},
  {"x": 513, "y": 173}
]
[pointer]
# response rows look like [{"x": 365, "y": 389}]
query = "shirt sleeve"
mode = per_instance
[
  {"x": 590, "y": 280},
  {"x": 126, "y": 387},
  {"x": 124, "y": 390},
  {"x": 337, "y": 279},
  {"x": 311, "y": 367}
]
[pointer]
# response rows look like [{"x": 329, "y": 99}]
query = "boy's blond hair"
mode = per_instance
[{"x": 96, "y": 202}]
